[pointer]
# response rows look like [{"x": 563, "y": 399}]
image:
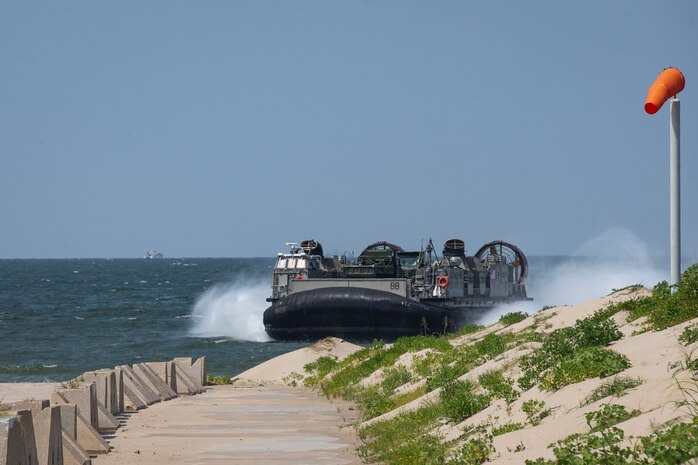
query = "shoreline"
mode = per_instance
[
  {"x": 269, "y": 415},
  {"x": 167, "y": 415}
]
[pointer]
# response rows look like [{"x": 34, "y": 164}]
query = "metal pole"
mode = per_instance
[{"x": 674, "y": 190}]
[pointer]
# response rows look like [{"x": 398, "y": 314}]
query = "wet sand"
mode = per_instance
[{"x": 238, "y": 424}]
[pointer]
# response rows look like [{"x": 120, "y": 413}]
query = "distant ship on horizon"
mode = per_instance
[{"x": 153, "y": 254}]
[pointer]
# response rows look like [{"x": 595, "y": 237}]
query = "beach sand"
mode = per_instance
[
  {"x": 246, "y": 423},
  {"x": 261, "y": 420},
  {"x": 17, "y": 392}
]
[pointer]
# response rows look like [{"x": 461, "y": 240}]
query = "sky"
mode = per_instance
[{"x": 228, "y": 128}]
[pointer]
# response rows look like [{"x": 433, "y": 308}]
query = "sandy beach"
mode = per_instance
[
  {"x": 268, "y": 417},
  {"x": 241, "y": 424}
]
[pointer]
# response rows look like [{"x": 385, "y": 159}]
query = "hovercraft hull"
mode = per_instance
[{"x": 359, "y": 313}]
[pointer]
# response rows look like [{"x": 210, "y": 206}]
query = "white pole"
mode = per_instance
[{"x": 674, "y": 190}]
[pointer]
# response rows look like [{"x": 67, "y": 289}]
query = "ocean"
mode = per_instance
[{"x": 61, "y": 317}]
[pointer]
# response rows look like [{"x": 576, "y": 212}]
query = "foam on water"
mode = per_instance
[
  {"x": 232, "y": 310},
  {"x": 615, "y": 259}
]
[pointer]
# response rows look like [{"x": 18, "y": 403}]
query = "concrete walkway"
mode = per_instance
[{"x": 238, "y": 425}]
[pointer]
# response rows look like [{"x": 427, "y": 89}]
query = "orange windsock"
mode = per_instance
[{"x": 669, "y": 83}]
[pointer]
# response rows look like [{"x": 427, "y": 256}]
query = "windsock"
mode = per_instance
[{"x": 669, "y": 83}]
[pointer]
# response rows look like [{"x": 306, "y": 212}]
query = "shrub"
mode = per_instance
[
  {"x": 677, "y": 444},
  {"x": 589, "y": 449},
  {"x": 689, "y": 335},
  {"x": 374, "y": 402},
  {"x": 459, "y": 401},
  {"x": 319, "y": 369},
  {"x": 595, "y": 331},
  {"x": 609, "y": 415},
  {"x": 395, "y": 377},
  {"x": 586, "y": 363},
  {"x": 615, "y": 387},
  {"x": 364, "y": 362},
  {"x": 563, "y": 351},
  {"x": 322, "y": 366},
  {"x": 535, "y": 411},
  {"x": 212, "y": 380},
  {"x": 512, "y": 317},
  {"x": 465, "y": 329},
  {"x": 498, "y": 386},
  {"x": 444, "y": 374},
  {"x": 664, "y": 308},
  {"x": 491, "y": 345},
  {"x": 400, "y": 439},
  {"x": 506, "y": 428},
  {"x": 475, "y": 451}
]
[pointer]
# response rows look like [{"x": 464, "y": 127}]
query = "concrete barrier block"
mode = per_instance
[
  {"x": 26, "y": 420},
  {"x": 196, "y": 370},
  {"x": 73, "y": 453},
  {"x": 35, "y": 406},
  {"x": 85, "y": 397},
  {"x": 12, "y": 449},
  {"x": 185, "y": 385},
  {"x": 128, "y": 399},
  {"x": 89, "y": 439},
  {"x": 131, "y": 401},
  {"x": 48, "y": 435},
  {"x": 105, "y": 383},
  {"x": 154, "y": 382},
  {"x": 69, "y": 414},
  {"x": 165, "y": 372},
  {"x": 17, "y": 440},
  {"x": 135, "y": 385},
  {"x": 106, "y": 422},
  {"x": 119, "y": 375}
]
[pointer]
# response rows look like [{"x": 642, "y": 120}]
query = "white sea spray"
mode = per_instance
[
  {"x": 233, "y": 310},
  {"x": 614, "y": 259}
]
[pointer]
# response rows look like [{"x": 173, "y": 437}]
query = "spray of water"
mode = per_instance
[
  {"x": 232, "y": 310},
  {"x": 614, "y": 259}
]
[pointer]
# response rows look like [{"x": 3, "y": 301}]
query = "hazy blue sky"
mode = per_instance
[{"x": 227, "y": 128}]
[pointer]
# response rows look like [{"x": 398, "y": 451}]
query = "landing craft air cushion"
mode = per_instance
[{"x": 388, "y": 292}]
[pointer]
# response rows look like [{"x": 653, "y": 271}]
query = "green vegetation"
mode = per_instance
[
  {"x": 459, "y": 401},
  {"x": 605, "y": 443},
  {"x": 499, "y": 386},
  {"x": 464, "y": 330},
  {"x": 512, "y": 317},
  {"x": 491, "y": 345},
  {"x": 403, "y": 439},
  {"x": 573, "y": 354},
  {"x": 565, "y": 356},
  {"x": 506, "y": 428},
  {"x": 615, "y": 387},
  {"x": 361, "y": 364},
  {"x": 394, "y": 377},
  {"x": 676, "y": 444},
  {"x": 292, "y": 379},
  {"x": 475, "y": 451},
  {"x": 319, "y": 369},
  {"x": 213, "y": 380},
  {"x": 609, "y": 415},
  {"x": 374, "y": 402},
  {"x": 535, "y": 411},
  {"x": 443, "y": 374},
  {"x": 630, "y": 288},
  {"x": 689, "y": 335},
  {"x": 664, "y": 308},
  {"x": 590, "y": 362}
]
